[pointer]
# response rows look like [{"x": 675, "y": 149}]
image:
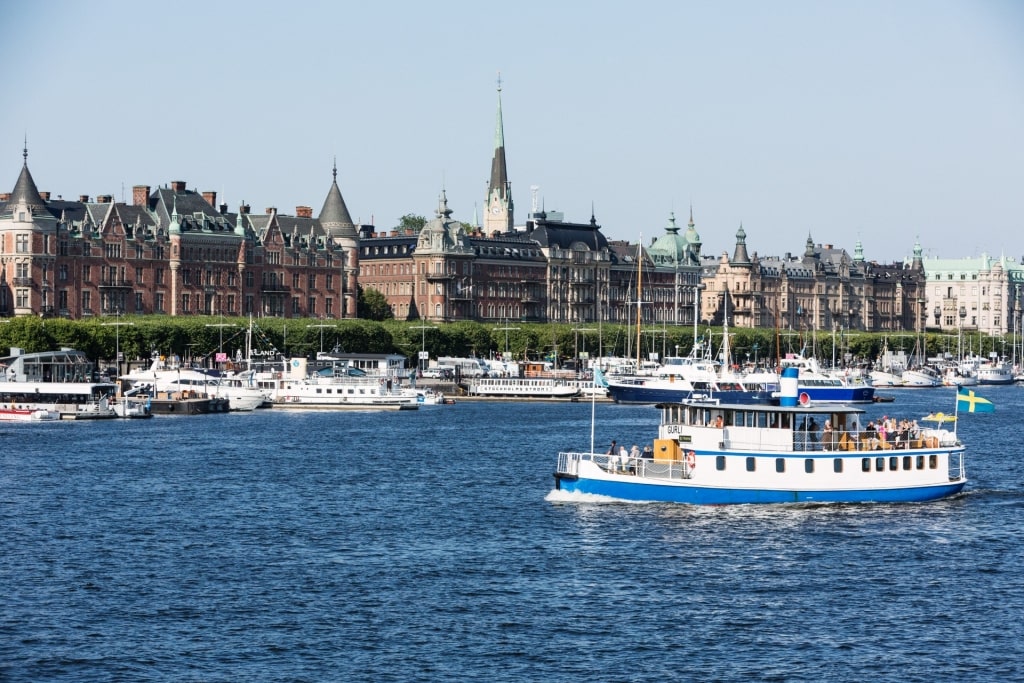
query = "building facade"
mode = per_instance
[{"x": 171, "y": 251}]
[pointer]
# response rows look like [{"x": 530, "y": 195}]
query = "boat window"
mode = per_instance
[
  {"x": 907, "y": 462},
  {"x": 880, "y": 464},
  {"x": 780, "y": 465},
  {"x": 894, "y": 462},
  {"x": 933, "y": 461},
  {"x": 762, "y": 420},
  {"x": 865, "y": 464},
  {"x": 720, "y": 462},
  {"x": 837, "y": 465},
  {"x": 751, "y": 466},
  {"x": 920, "y": 462},
  {"x": 809, "y": 466}
]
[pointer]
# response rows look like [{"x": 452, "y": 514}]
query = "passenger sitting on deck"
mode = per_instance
[{"x": 634, "y": 452}]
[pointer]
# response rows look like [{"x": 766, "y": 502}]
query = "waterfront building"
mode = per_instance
[
  {"x": 981, "y": 294},
  {"x": 172, "y": 251},
  {"x": 823, "y": 290}
]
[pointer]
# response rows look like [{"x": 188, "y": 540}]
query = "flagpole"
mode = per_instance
[{"x": 956, "y": 410}]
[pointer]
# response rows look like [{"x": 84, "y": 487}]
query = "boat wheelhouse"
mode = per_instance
[{"x": 711, "y": 453}]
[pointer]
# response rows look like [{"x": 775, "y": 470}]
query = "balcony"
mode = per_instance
[
  {"x": 274, "y": 287},
  {"x": 115, "y": 283},
  {"x": 23, "y": 282}
]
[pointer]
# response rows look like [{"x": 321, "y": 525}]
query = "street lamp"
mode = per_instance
[
  {"x": 959, "y": 338},
  {"x": 423, "y": 343},
  {"x": 117, "y": 338}
]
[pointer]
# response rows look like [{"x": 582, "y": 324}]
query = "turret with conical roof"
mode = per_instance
[
  {"x": 739, "y": 256},
  {"x": 25, "y": 193},
  {"x": 334, "y": 216}
]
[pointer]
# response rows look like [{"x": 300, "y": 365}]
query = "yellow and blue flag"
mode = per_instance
[{"x": 970, "y": 402}]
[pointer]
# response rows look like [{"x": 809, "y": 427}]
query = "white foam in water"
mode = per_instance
[{"x": 559, "y": 496}]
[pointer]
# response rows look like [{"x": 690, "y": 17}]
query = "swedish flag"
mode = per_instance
[{"x": 970, "y": 402}]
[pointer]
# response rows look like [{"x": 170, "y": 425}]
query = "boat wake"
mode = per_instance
[{"x": 561, "y": 496}]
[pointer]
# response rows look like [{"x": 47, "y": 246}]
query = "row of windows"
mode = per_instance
[{"x": 879, "y": 464}]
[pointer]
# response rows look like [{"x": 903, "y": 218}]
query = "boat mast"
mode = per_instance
[{"x": 639, "y": 291}]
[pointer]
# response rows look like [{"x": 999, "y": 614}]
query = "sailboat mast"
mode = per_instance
[{"x": 639, "y": 290}]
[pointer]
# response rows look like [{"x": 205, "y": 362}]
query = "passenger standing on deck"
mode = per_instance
[{"x": 613, "y": 449}]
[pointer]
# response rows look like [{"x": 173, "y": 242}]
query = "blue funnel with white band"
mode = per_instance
[{"x": 788, "y": 386}]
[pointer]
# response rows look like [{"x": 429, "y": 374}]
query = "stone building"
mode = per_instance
[{"x": 171, "y": 251}]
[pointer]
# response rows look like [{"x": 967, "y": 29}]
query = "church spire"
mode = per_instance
[{"x": 498, "y": 207}]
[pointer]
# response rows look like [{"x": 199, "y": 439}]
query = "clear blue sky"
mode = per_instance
[{"x": 878, "y": 120}]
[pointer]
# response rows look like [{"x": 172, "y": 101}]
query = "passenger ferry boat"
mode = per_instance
[
  {"x": 521, "y": 387},
  {"x": 337, "y": 385},
  {"x": 714, "y": 453},
  {"x": 58, "y": 382}
]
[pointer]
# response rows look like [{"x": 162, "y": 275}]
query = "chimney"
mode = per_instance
[
  {"x": 84, "y": 198},
  {"x": 243, "y": 209},
  {"x": 140, "y": 195},
  {"x": 45, "y": 196},
  {"x": 5, "y": 197},
  {"x": 104, "y": 198},
  {"x": 271, "y": 209},
  {"x": 223, "y": 208},
  {"x": 394, "y": 233},
  {"x": 178, "y": 185},
  {"x": 304, "y": 211},
  {"x": 210, "y": 197}
]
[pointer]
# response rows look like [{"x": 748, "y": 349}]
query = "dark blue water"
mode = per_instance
[{"x": 419, "y": 546}]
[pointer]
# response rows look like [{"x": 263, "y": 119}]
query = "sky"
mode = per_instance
[{"x": 884, "y": 121}]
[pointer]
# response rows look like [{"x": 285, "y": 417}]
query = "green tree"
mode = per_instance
[
  {"x": 411, "y": 221},
  {"x": 372, "y": 305}
]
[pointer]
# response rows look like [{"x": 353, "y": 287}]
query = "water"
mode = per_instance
[{"x": 421, "y": 546}]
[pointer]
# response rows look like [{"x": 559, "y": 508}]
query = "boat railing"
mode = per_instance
[{"x": 569, "y": 462}]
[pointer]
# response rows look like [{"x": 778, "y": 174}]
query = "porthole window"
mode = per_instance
[
  {"x": 837, "y": 466},
  {"x": 750, "y": 464},
  {"x": 865, "y": 464},
  {"x": 780, "y": 465},
  {"x": 809, "y": 466},
  {"x": 720, "y": 462},
  {"x": 880, "y": 464}
]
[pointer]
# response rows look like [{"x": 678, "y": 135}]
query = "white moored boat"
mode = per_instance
[
  {"x": 53, "y": 381},
  {"x": 711, "y": 453}
]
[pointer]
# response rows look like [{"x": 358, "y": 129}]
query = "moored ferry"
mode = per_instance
[
  {"x": 58, "y": 382},
  {"x": 522, "y": 387}
]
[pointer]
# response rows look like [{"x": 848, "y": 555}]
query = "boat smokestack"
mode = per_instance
[{"x": 788, "y": 385}]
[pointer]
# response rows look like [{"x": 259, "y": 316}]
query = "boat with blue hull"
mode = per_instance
[
  {"x": 828, "y": 386},
  {"x": 711, "y": 453}
]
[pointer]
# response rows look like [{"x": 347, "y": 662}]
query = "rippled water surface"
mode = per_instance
[{"x": 424, "y": 546}]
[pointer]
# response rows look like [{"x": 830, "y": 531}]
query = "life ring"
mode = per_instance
[{"x": 691, "y": 459}]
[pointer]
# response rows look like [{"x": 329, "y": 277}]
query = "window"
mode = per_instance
[
  {"x": 158, "y": 303},
  {"x": 907, "y": 462},
  {"x": 138, "y": 302},
  {"x": 933, "y": 461},
  {"x": 185, "y": 303},
  {"x": 837, "y": 465},
  {"x": 138, "y": 276},
  {"x": 329, "y": 307},
  {"x": 21, "y": 244},
  {"x": 865, "y": 464},
  {"x": 720, "y": 462},
  {"x": 920, "y": 462},
  {"x": 751, "y": 464},
  {"x": 894, "y": 463},
  {"x": 21, "y": 270},
  {"x": 311, "y": 310},
  {"x": 159, "y": 276},
  {"x": 312, "y": 280},
  {"x": 87, "y": 302},
  {"x": 880, "y": 464},
  {"x": 330, "y": 281},
  {"x": 86, "y": 274},
  {"x": 21, "y": 298},
  {"x": 780, "y": 465}
]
